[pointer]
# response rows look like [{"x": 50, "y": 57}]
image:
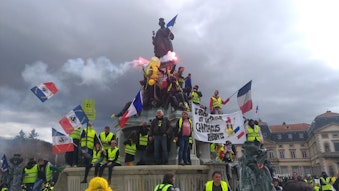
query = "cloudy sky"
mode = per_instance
[{"x": 287, "y": 48}]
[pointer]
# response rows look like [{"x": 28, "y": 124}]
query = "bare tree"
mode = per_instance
[{"x": 33, "y": 134}]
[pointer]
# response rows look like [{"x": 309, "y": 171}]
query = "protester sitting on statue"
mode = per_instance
[
  {"x": 216, "y": 103},
  {"x": 72, "y": 157},
  {"x": 175, "y": 94},
  {"x": 195, "y": 95},
  {"x": 159, "y": 132},
  {"x": 97, "y": 160},
  {"x": 113, "y": 159},
  {"x": 130, "y": 148}
]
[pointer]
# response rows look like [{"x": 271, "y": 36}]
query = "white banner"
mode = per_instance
[{"x": 218, "y": 128}]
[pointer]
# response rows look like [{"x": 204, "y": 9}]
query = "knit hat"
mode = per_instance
[{"x": 98, "y": 183}]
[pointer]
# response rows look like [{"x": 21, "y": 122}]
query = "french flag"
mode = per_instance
[
  {"x": 75, "y": 118},
  {"x": 61, "y": 142},
  {"x": 134, "y": 108},
  {"x": 45, "y": 90},
  {"x": 244, "y": 98}
]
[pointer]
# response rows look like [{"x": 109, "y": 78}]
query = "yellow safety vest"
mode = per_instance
[
  {"x": 49, "y": 172},
  {"x": 89, "y": 140},
  {"x": 131, "y": 149},
  {"x": 217, "y": 102},
  {"x": 180, "y": 124},
  {"x": 209, "y": 186},
  {"x": 212, "y": 147},
  {"x": 96, "y": 156},
  {"x": 253, "y": 134},
  {"x": 162, "y": 187},
  {"x": 30, "y": 175},
  {"x": 327, "y": 186},
  {"x": 107, "y": 138},
  {"x": 75, "y": 134},
  {"x": 195, "y": 97},
  {"x": 143, "y": 140},
  {"x": 112, "y": 153}
]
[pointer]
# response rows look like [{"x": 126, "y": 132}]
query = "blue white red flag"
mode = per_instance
[
  {"x": 171, "y": 22},
  {"x": 134, "y": 108},
  {"x": 45, "y": 90},
  {"x": 244, "y": 98},
  {"x": 61, "y": 142},
  {"x": 4, "y": 166},
  {"x": 75, "y": 118}
]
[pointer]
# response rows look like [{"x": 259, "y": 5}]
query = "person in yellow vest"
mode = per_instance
[
  {"x": 3, "y": 186},
  {"x": 216, "y": 183},
  {"x": 195, "y": 95},
  {"x": 106, "y": 137},
  {"x": 88, "y": 139},
  {"x": 325, "y": 182},
  {"x": 45, "y": 174},
  {"x": 98, "y": 183},
  {"x": 30, "y": 174},
  {"x": 253, "y": 132},
  {"x": 113, "y": 159},
  {"x": 97, "y": 161},
  {"x": 72, "y": 157},
  {"x": 213, "y": 154},
  {"x": 167, "y": 183},
  {"x": 142, "y": 144},
  {"x": 130, "y": 148},
  {"x": 336, "y": 183},
  {"x": 216, "y": 103},
  {"x": 181, "y": 135}
]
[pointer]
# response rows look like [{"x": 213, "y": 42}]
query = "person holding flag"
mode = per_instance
[
  {"x": 216, "y": 103},
  {"x": 88, "y": 139}
]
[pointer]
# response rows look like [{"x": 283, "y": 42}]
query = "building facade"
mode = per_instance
[{"x": 307, "y": 149}]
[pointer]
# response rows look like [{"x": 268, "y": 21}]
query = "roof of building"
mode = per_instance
[
  {"x": 323, "y": 119},
  {"x": 289, "y": 127}
]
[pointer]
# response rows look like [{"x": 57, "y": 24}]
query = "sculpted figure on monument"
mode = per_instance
[
  {"x": 162, "y": 40},
  {"x": 254, "y": 174}
]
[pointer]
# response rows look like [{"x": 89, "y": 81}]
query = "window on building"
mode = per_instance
[
  {"x": 302, "y": 145},
  {"x": 292, "y": 154},
  {"x": 307, "y": 170},
  {"x": 280, "y": 146},
  {"x": 324, "y": 135},
  {"x": 296, "y": 169},
  {"x": 327, "y": 147},
  {"x": 282, "y": 154},
  {"x": 270, "y": 154},
  {"x": 336, "y": 146},
  {"x": 301, "y": 135},
  {"x": 290, "y": 136},
  {"x": 291, "y": 145},
  {"x": 284, "y": 170},
  {"x": 279, "y": 136},
  {"x": 331, "y": 171},
  {"x": 304, "y": 154},
  {"x": 335, "y": 135}
]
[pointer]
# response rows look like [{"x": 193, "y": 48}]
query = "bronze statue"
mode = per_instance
[
  {"x": 162, "y": 40},
  {"x": 254, "y": 174}
]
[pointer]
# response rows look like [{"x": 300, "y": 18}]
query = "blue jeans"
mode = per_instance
[
  {"x": 183, "y": 148},
  {"x": 38, "y": 185},
  {"x": 160, "y": 145}
]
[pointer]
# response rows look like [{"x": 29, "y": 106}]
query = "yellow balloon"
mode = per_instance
[{"x": 151, "y": 82}]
